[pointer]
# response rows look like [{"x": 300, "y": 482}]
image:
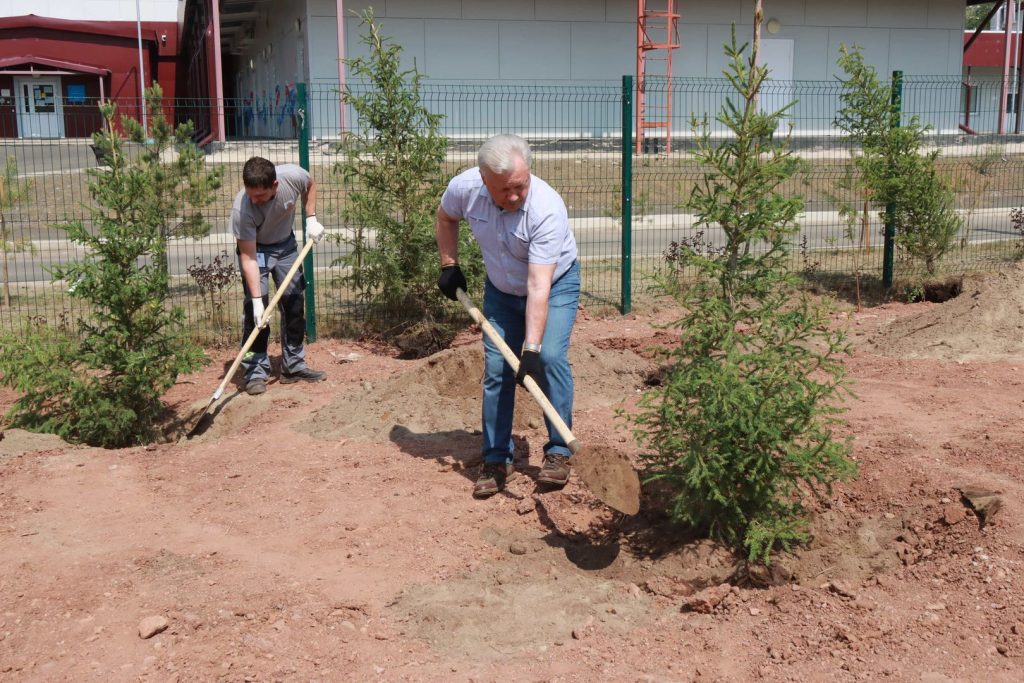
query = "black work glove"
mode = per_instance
[
  {"x": 529, "y": 364},
  {"x": 451, "y": 279}
]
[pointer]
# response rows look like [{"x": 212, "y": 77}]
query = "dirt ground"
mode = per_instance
[{"x": 327, "y": 533}]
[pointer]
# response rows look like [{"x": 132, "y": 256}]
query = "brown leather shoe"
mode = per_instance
[
  {"x": 492, "y": 479},
  {"x": 555, "y": 471}
]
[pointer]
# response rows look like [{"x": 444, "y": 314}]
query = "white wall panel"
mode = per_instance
[
  {"x": 506, "y": 9},
  {"x": 407, "y": 33},
  {"x": 434, "y": 9},
  {"x": 534, "y": 49},
  {"x": 947, "y": 14},
  {"x": 691, "y": 59},
  {"x": 918, "y": 51},
  {"x": 602, "y": 51},
  {"x": 789, "y": 12},
  {"x": 810, "y": 58},
  {"x": 905, "y": 14},
  {"x": 722, "y": 12},
  {"x": 572, "y": 10},
  {"x": 462, "y": 50},
  {"x": 842, "y": 13}
]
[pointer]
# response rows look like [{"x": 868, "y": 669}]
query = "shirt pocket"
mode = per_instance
[{"x": 517, "y": 241}]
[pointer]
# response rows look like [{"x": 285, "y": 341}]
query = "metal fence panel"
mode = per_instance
[{"x": 576, "y": 135}]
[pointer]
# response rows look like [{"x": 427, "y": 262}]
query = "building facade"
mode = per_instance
[{"x": 54, "y": 69}]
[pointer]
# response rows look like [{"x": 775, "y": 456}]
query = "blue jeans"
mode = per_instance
[{"x": 507, "y": 313}]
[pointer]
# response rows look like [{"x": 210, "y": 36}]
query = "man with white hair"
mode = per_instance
[{"x": 531, "y": 294}]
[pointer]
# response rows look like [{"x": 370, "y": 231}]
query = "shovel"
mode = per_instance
[
  {"x": 203, "y": 422},
  {"x": 606, "y": 472}
]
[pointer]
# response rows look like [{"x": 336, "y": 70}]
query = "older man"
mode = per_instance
[{"x": 531, "y": 294}]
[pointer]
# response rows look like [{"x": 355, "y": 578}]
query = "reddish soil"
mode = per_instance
[{"x": 327, "y": 533}]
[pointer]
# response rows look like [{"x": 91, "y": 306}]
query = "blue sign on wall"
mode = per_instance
[{"x": 76, "y": 94}]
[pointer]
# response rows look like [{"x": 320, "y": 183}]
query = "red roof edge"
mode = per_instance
[
  {"x": 57, "y": 63},
  {"x": 122, "y": 29}
]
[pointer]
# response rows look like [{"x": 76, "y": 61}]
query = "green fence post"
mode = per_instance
[
  {"x": 307, "y": 264},
  {"x": 896, "y": 100},
  {"x": 627, "y": 194}
]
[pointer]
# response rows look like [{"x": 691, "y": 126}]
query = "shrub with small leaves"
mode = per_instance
[
  {"x": 893, "y": 173},
  {"x": 102, "y": 382},
  {"x": 394, "y": 171},
  {"x": 740, "y": 431}
]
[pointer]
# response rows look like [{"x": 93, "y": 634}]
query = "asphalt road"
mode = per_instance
[{"x": 598, "y": 238}]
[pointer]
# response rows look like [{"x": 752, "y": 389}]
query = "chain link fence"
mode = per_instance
[{"x": 578, "y": 140}]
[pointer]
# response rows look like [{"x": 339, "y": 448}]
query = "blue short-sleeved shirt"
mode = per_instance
[
  {"x": 273, "y": 221},
  {"x": 537, "y": 233}
]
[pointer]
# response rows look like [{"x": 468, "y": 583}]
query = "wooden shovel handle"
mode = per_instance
[
  {"x": 531, "y": 385},
  {"x": 265, "y": 317}
]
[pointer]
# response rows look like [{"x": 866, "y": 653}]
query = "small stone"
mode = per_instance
[
  {"x": 935, "y": 607},
  {"x": 754, "y": 611},
  {"x": 1017, "y": 629},
  {"x": 517, "y": 548},
  {"x": 526, "y": 506},
  {"x": 1002, "y": 649},
  {"x": 706, "y": 600},
  {"x": 150, "y": 626},
  {"x": 840, "y": 588},
  {"x": 953, "y": 514}
]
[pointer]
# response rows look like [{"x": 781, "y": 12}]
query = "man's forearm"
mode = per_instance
[
  {"x": 538, "y": 291},
  {"x": 536, "y": 319},
  {"x": 446, "y": 230},
  {"x": 309, "y": 199}
]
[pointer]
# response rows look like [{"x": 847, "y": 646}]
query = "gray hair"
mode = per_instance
[{"x": 499, "y": 153}]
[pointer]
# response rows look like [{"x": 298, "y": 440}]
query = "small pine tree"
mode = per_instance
[
  {"x": 12, "y": 191},
  {"x": 891, "y": 170},
  {"x": 394, "y": 167},
  {"x": 103, "y": 386},
  {"x": 741, "y": 428}
]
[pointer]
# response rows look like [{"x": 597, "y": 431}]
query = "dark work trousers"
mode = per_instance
[{"x": 275, "y": 260}]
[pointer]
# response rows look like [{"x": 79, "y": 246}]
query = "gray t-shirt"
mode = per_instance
[
  {"x": 272, "y": 221},
  {"x": 537, "y": 233}
]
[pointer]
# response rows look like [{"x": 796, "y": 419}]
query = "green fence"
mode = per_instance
[{"x": 584, "y": 146}]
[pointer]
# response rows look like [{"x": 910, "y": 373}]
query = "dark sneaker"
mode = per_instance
[
  {"x": 303, "y": 375},
  {"x": 492, "y": 479},
  {"x": 555, "y": 471},
  {"x": 255, "y": 387}
]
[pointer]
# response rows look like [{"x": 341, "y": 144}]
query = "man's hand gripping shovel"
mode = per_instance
[{"x": 606, "y": 472}]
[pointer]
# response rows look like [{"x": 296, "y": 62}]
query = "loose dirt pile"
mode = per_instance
[
  {"x": 326, "y": 532},
  {"x": 441, "y": 396},
  {"x": 985, "y": 322}
]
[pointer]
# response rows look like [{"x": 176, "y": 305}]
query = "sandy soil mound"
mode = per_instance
[
  {"x": 237, "y": 410},
  {"x": 441, "y": 395},
  {"x": 18, "y": 441},
  {"x": 986, "y": 322}
]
